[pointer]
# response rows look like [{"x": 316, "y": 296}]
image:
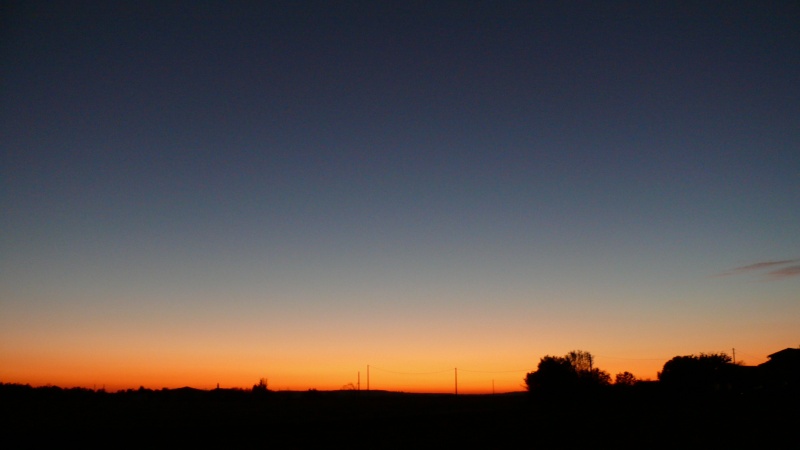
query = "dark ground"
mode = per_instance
[{"x": 618, "y": 418}]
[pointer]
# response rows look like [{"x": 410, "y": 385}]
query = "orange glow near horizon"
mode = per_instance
[
  {"x": 328, "y": 350},
  {"x": 120, "y": 375}
]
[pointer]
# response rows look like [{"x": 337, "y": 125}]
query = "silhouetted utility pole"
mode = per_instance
[{"x": 734, "y": 355}]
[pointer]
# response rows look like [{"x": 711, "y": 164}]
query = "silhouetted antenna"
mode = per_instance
[{"x": 734, "y": 355}]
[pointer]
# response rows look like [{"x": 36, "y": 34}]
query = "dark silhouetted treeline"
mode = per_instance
[
  {"x": 702, "y": 400},
  {"x": 575, "y": 374}
]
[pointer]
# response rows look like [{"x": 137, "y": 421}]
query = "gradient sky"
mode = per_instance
[{"x": 212, "y": 192}]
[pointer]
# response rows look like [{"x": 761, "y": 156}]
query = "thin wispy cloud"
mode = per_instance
[
  {"x": 777, "y": 273},
  {"x": 786, "y": 272}
]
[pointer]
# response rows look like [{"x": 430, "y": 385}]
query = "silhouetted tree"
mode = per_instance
[
  {"x": 625, "y": 379},
  {"x": 594, "y": 378},
  {"x": 580, "y": 360},
  {"x": 552, "y": 373},
  {"x": 702, "y": 372},
  {"x": 261, "y": 386},
  {"x": 559, "y": 373}
]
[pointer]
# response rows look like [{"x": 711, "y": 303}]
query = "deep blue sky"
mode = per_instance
[{"x": 543, "y": 175}]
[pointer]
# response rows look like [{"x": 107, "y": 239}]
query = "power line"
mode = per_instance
[
  {"x": 496, "y": 371},
  {"x": 449, "y": 370},
  {"x": 632, "y": 359},
  {"x": 410, "y": 373}
]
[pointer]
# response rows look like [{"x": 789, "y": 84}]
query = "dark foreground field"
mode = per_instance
[{"x": 642, "y": 418}]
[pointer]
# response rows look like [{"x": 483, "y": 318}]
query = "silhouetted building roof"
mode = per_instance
[
  {"x": 783, "y": 368},
  {"x": 785, "y": 355}
]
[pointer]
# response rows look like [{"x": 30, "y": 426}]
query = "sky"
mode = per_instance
[{"x": 393, "y": 193}]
